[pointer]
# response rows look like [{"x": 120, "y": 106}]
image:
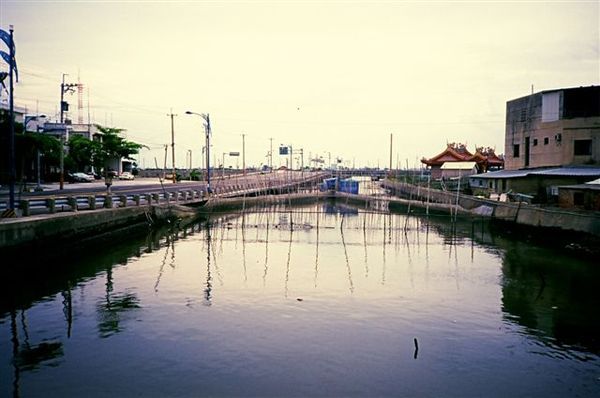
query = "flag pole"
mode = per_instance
[{"x": 11, "y": 139}]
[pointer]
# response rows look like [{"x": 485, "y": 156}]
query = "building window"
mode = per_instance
[
  {"x": 535, "y": 142},
  {"x": 523, "y": 115},
  {"x": 546, "y": 140},
  {"x": 582, "y": 147},
  {"x": 516, "y": 151}
]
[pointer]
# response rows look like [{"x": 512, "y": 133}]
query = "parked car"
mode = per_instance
[
  {"x": 94, "y": 175},
  {"x": 80, "y": 177},
  {"x": 126, "y": 176}
]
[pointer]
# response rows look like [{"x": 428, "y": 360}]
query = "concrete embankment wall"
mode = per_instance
[
  {"x": 45, "y": 230},
  {"x": 519, "y": 213},
  {"x": 73, "y": 226},
  {"x": 226, "y": 204}
]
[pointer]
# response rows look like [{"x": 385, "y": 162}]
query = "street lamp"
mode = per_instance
[
  {"x": 189, "y": 151},
  {"x": 202, "y": 162},
  {"x": 206, "y": 118}
]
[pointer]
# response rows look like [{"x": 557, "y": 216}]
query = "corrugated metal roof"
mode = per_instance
[
  {"x": 575, "y": 171},
  {"x": 570, "y": 172},
  {"x": 502, "y": 174}
]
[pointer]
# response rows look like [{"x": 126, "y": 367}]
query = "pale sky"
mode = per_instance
[{"x": 332, "y": 77}]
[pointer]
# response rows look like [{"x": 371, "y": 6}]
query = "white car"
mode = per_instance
[
  {"x": 126, "y": 176},
  {"x": 80, "y": 177}
]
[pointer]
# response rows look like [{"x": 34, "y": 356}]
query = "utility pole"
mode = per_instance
[
  {"x": 391, "y": 138},
  {"x": 206, "y": 118},
  {"x": 223, "y": 166},
  {"x": 173, "y": 144},
  {"x": 244, "y": 153},
  {"x": 165, "y": 163},
  {"x": 271, "y": 155},
  {"x": 64, "y": 106}
]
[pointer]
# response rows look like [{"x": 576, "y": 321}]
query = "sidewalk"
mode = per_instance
[{"x": 29, "y": 187}]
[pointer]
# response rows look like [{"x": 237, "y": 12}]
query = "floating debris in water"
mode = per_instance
[
  {"x": 299, "y": 299},
  {"x": 416, "y": 348}
]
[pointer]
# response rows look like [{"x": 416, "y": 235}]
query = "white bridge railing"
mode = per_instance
[{"x": 70, "y": 203}]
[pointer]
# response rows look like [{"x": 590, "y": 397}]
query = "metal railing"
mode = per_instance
[{"x": 72, "y": 203}]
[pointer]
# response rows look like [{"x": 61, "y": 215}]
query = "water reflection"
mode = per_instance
[
  {"x": 208, "y": 288},
  {"x": 27, "y": 356},
  {"x": 326, "y": 285},
  {"x": 545, "y": 290},
  {"x": 114, "y": 307},
  {"x": 552, "y": 297}
]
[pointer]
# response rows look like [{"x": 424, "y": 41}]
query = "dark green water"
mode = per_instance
[{"x": 319, "y": 300}]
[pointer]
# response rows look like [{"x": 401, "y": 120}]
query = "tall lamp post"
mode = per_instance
[
  {"x": 189, "y": 151},
  {"x": 206, "y": 118}
]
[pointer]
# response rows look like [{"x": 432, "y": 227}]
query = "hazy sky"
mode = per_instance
[{"x": 325, "y": 76}]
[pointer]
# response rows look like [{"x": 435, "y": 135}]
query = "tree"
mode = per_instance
[
  {"x": 27, "y": 145},
  {"x": 82, "y": 152},
  {"x": 99, "y": 152},
  {"x": 113, "y": 146}
]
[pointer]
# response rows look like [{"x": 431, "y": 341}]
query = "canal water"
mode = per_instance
[{"x": 314, "y": 300}]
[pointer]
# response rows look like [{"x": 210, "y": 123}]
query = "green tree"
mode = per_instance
[
  {"x": 27, "y": 145},
  {"x": 109, "y": 145},
  {"x": 113, "y": 146},
  {"x": 82, "y": 152}
]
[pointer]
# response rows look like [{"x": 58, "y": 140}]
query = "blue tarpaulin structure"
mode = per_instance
[{"x": 347, "y": 185}]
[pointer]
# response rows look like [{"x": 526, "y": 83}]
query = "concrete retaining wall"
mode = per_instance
[
  {"x": 520, "y": 213},
  {"x": 67, "y": 226}
]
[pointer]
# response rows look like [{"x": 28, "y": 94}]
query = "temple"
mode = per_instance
[{"x": 485, "y": 159}]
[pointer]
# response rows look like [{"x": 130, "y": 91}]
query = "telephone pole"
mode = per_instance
[
  {"x": 173, "y": 144},
  {"x": 391, "y": 138},
  {"x": 244, "y": 153},
  {"x": 64, "y": 106},
  {"x": 271, "y": 156},
  {"x": 165, "y": 164}
]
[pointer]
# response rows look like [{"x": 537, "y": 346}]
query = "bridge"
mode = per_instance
[
  {"x": 374, "y": 174},
  {"x": 185, "y": 193}
]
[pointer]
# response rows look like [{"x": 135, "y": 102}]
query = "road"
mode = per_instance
[{"x": 145, "y": 185}]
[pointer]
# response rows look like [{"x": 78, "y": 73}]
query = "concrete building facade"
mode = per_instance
[{"x": 553, "y": 128}]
